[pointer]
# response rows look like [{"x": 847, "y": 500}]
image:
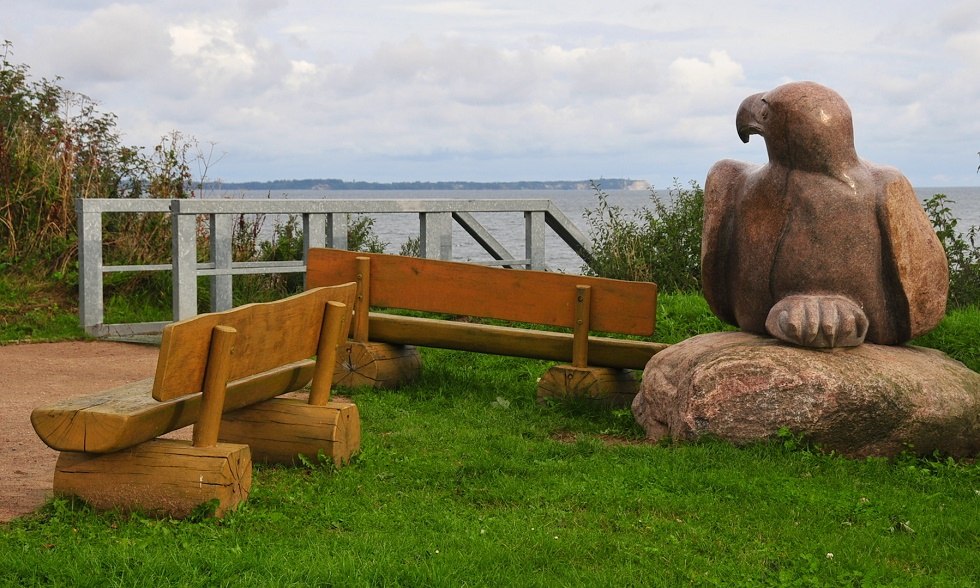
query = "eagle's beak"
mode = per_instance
[{"x": 751, "y": 116}]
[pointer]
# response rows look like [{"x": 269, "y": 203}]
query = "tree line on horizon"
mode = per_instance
[{"x": 338, "y": 184}]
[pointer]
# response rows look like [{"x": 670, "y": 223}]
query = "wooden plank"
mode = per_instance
[
  {"x": 603, "y": 351},
  {"x": 271, "y": 334},
  {"x": 546, "y": 298},
  {"x": 124, "y": 416}
]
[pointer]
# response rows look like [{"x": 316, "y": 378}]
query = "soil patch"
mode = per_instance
[{"x": 41, "y": 373}]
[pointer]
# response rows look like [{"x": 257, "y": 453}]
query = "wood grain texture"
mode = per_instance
[
  {"x": 215, "y": 387},
  {"x": 332, "y": 334},
  {"x": 121, "y": 417},
  {"x": 610, "y": 386},
  {"x": 548, "y": 345},
  {"x": 580, "y": 334},
  {"x": 163, "y": 477},
  {"x": 376, "y": 365},
  {"x": 546, "y": 298},
  {"x": 281, "y": 429},
  {"x": 270, "y": 334}
]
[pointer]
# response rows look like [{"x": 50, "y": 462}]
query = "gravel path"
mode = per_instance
[{"x": 40, "y": 373}]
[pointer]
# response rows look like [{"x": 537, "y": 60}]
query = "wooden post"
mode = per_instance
[
  {"x": 580, "y": 341},
  {"x": 363, "y": 304},
  {"x": 609, "y": 386},
  {"x": 374, "y": 364},
  {"x": 282, "y": 429},
  {"x": 215, "y": 386},
  {"x": 331, "y": 331}
]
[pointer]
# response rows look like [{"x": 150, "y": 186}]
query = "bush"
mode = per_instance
[
  {"x": 961, "y": 251},
  {"x": 55, "y": 146},
  {"x": 661, "y": 245}
]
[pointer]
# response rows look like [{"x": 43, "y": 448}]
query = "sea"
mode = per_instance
[{"x": 395, "y": 229}]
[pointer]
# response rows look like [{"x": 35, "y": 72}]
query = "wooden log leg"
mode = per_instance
[
  {"x": 378, "y": 365},
  {"x": 279, "y": 430},
  {"x": 609, "y": 385},
  {"x": 162, "y": 477}
]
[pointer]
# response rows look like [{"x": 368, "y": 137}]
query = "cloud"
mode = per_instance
[
  {"x": 649, "y": 87},
  {"x": 110, "y": 44},
  {"x": 464, "y": 8},
  {"x": 211, "y": 51}
]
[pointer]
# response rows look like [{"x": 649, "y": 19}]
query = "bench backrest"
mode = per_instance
[
  {"x": 270, "y": 334},
  {"x": 545, "y": 298}
]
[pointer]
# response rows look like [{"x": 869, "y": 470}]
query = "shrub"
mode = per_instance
[
  {"x": 55, "y": 146},
  {"x": 961, "y": 251},
  {"x": 661, "y": 244}
]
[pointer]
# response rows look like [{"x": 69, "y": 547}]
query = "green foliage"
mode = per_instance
[
  {"x": 284, "y": 244},
  {"x": 661, "y": 244},
  {"x": 55, "y": 146},
  {"x": 411, "y": 248},
  {"x": 361, "y": 235},
  {"x": 962, "y": 251}
]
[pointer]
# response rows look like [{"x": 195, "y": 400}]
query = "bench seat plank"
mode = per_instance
[
  {"x": 496, "y": 340},
  {"x": 124, "y": 416}
]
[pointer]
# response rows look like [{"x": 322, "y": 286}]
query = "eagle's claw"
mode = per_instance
[{"x": 818, "y": 321}]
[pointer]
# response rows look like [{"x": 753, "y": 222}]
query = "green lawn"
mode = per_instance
[{"x": 465, "y": 480}]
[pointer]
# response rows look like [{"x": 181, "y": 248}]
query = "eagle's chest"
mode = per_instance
[{"x": 829, "y": 237}]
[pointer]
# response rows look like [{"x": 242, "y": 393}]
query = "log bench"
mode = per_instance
[
  {"x": 381, "y": 350},
  {"x": 209, "y": 366}
]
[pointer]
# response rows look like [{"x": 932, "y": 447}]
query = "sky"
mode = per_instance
[{"x": 472, "y": 90}]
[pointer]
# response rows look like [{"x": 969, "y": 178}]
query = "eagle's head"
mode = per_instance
[{"x": 805, "y": 126}]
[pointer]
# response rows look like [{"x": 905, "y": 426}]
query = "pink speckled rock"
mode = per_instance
[{"x": 859, "y": 401}]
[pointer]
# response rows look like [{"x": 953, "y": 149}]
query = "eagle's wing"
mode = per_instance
[
  {"x": 721, "y": 188},
  {"x": 918, "y": 261}
]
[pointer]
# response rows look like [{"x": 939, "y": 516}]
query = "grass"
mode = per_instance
[
  {"x": 35, "y": 310},
  {"x": 465, "y": 480}
]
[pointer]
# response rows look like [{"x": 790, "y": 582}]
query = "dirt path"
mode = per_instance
[{"x": 40, "y": 373}]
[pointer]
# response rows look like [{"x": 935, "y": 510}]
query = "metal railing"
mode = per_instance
[{"x": 325, "y": 224}]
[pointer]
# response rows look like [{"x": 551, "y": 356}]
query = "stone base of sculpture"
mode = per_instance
[{"x": 870, "y": 400}]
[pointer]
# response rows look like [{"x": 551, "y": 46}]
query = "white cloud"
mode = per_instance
[
  {"x": 211, "y": 49},
  {"x": 646, "y": 87}
]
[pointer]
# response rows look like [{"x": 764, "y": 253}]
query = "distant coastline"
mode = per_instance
[{"x": 335, "y": 184}]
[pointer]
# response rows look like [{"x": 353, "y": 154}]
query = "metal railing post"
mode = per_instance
[
  {"x": 184, "y": 262},
  {"x": 90, "y": 304},
  {"x": 436, "y": 235},
  {"x": 314, "y": 235},
  {"x": 222, "y": 226},
  {"x": 337, "y": 223},
  {"x": 534, "y": 239}
]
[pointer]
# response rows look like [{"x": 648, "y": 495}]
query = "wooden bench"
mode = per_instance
[
  {"x": 207, "y": 365},
  {"x": 381, "y": 351}
]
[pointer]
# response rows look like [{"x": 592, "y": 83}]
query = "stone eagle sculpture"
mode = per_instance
[{"x": 817, "y": 247}]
